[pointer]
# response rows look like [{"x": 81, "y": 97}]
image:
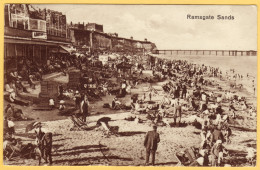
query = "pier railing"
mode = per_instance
[{"x": 207, "y": 52}]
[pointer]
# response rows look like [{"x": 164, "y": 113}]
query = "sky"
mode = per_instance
[{"x": 167, "y": 25}]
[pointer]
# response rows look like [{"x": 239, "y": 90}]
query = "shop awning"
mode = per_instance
[
  {"x": 20, "y": 40},
  {"x": 66, "y": 50}
]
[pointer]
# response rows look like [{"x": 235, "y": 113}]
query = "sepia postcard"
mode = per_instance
[{"x": 150, "y": 85}]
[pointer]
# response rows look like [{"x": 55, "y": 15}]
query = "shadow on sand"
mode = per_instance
[
  {"x": 90, "y": 160},
  {"x": 75, "y": 151},
  {"x": 130, "y": 133},
  {"x": 31, "y": 135},
  {"x": 237, "y": 157},
  {"x": 244, "y": 129},
  {"x": 86, "y": 147},
  {"x": 249, "y": 141},
  {"x": 166, "y": 164}
]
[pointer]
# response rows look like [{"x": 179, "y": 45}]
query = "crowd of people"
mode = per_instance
[
  {"x": 188, "y": 92},
  {"x": 188, "y": 98}
]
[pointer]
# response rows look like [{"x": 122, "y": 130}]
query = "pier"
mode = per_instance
[{"x": 207, "y": 52}]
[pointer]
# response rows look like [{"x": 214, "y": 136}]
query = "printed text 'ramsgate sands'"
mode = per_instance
[{"x": 210, "y": 17}]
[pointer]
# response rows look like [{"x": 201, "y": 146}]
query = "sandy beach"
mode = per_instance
[
  {"x": 92, "y": 147},
  {"x": 103, "y": 84}
]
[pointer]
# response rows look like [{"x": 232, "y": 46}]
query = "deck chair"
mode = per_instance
[
  {"x": 187, "y": 158},
  {"x": 11, "y": 149},
  {"x": 190, "y": 153},
  {"x": 78, "y": 124},
  {"x": 18, "y": 150},
  {"x": 180, "y": 160}
]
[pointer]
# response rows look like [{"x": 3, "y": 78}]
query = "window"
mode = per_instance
[
  {"x": 19, "y": 21},
  {"x": 37, "y": 25}
]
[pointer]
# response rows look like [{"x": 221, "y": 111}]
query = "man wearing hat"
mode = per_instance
[
  {"x": 151, "y": 141},
  {"x": 38, "y": 128},
  {"x": 39, "y": 131},
  {"x": 43, "y": 141},
  {"x": 84, "y": 108}
]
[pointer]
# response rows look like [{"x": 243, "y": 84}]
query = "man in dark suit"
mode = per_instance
[
  {"x": 151, "y": 140},
  {"x": 84, "y": 108}
]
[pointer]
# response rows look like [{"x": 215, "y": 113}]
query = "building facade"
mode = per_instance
[
  {"x": 31, "y": 34},
  {"x": 101, "y": 41},
  {"x": 94, "y": 27},
  {"x": 39, "y": 34}
]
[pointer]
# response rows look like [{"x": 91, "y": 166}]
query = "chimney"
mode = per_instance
[
  {"x": 131, "y": 37},
  {"x": 145, "y": 39}
]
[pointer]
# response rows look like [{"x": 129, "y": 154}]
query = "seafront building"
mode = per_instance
[
  {"x": 34, "y": 34},
  {"x": 38, "y": 34},
  {"x": 92, "y": 37}
]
